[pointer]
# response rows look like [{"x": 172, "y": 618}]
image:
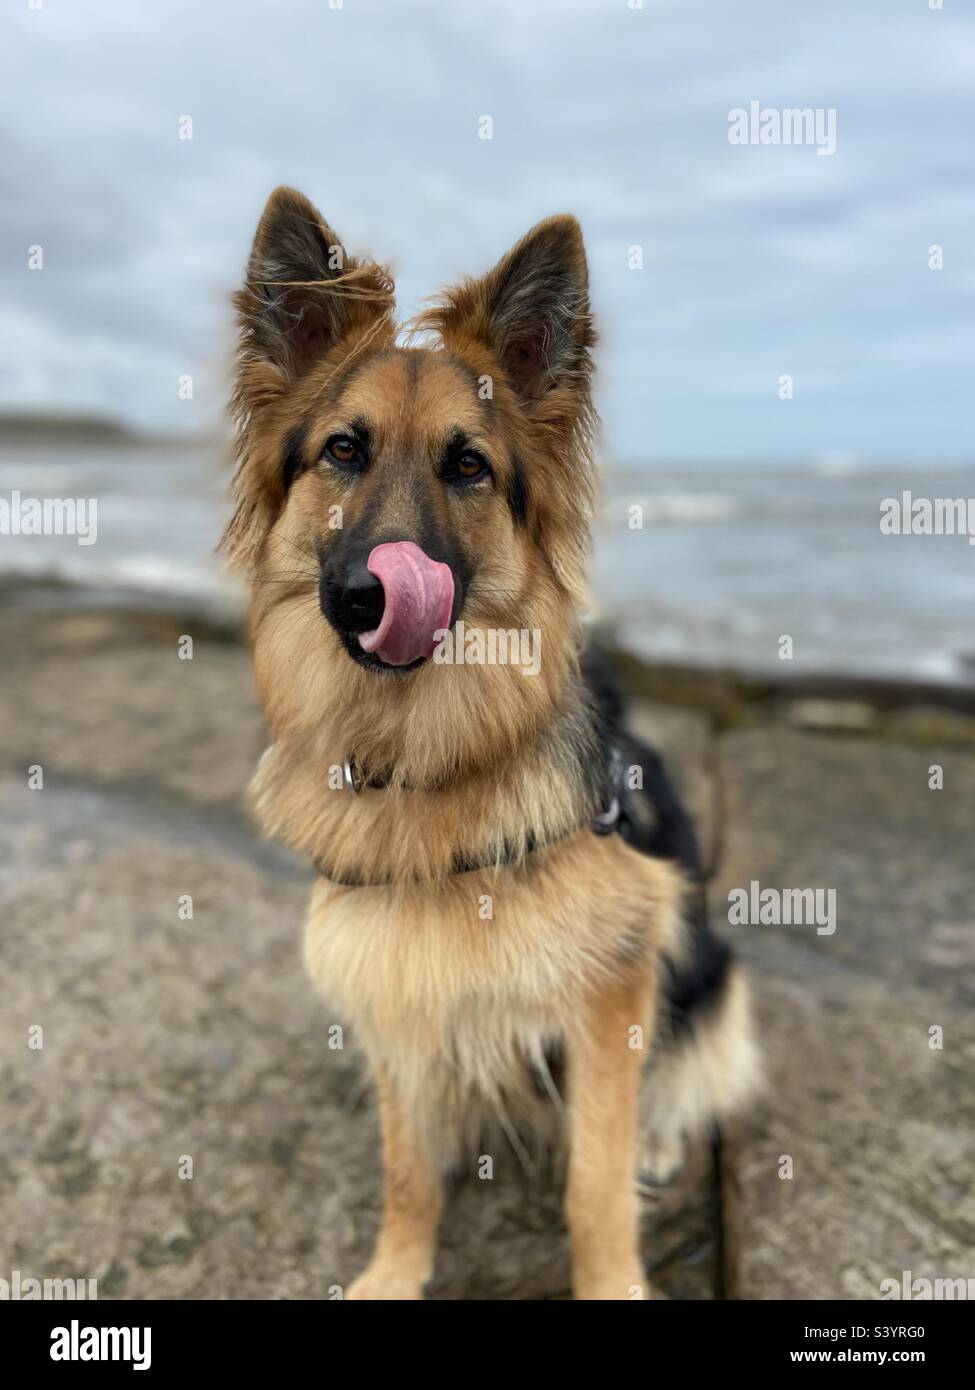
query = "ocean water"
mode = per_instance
[
  {"x": 736, "y": 555},
  {"x": 730, "y": 558}
]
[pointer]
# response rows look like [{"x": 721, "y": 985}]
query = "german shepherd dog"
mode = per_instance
[{"x": 507, "y": 883}]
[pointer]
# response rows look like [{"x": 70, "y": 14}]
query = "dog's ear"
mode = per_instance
[
  {"x": 303, "y": 300},
  {"x": 530, "y": 317},
  {"x": 532, "y": 310},
  {"x": 303, "y": 293}
]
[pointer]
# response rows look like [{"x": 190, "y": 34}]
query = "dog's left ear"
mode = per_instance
[
  {"x": 532, "y": 310},
  {"x": 530, "y": 317}
]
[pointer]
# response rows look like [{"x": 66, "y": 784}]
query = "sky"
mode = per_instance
[{"x": 759, "y": 261}]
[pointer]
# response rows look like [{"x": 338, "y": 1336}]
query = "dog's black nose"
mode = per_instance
[{"x": 357, "y": 599}]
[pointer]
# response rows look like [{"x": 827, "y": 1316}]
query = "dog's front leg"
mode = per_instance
[
  {"x": 606, "y": 1051},
  {"x": 404, "y": 1255}
]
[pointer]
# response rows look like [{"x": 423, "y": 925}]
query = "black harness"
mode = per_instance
[{"x": 608, "y": 822}]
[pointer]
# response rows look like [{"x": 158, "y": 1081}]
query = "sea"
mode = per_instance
[{"x": 737, "y": 564}]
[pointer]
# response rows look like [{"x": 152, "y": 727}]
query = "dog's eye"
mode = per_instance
[
  {"x": 343, "y": 451},
  {"x": 467, "y": 467}
]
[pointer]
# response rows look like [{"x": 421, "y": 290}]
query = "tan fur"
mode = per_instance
[
  {"x": 454, "y": 1005},
  {"x": 473, "y": 718},
  {"x": 605, "y": 1068},
  {"x": 404, "y": 1256},
  {"x": 455, "y": 984}
]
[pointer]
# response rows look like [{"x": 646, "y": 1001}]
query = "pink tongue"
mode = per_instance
[{"x": 419, "y": 599}]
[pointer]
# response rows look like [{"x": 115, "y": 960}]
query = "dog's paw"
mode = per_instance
[{"x": 386, "y": 1283}]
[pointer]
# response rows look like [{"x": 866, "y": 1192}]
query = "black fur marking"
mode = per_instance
[
  {"x": 359, "y": 431},
  {"x": 661, "y": 827},
  {"x": 456, "y": 445},
  {"x": 696, "y": 986},
  {"x": 293, "y": 459},
  {"x": 517, "y": 491}
]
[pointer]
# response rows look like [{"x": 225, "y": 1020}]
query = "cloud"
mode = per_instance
[{"x": 758, "y": 260}]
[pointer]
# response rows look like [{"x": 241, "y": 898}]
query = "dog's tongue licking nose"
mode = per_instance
[{"x": 419, "y": 600}]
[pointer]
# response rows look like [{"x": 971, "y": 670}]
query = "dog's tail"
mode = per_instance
[{"x": 705, "y": 1063}]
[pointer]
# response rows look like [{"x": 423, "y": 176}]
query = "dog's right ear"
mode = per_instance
[
  {"x": 303, "y": 293},
  {"x": 304, "y": 301}
]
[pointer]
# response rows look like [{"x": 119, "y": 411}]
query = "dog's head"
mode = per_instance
[{"x": 385, "y": 491}]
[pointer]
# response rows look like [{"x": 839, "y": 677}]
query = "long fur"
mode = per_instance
[{"x": 461, "y": 987}]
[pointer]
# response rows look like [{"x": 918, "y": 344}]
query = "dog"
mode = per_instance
[{"x": 507, "y": 884}]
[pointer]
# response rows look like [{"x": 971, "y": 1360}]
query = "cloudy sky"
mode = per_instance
[{"x": 759, "y": 261}]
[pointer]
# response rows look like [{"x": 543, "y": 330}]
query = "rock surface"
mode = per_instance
[
  {"x": 875, "y": 1117},
  {"x": 168, "y": 1039}
]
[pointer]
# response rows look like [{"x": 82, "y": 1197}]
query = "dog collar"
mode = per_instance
[
  {"x": 356, "y": 778},
  {"x": 606, "y": 822},
  {"x": 463, "y": 863}
]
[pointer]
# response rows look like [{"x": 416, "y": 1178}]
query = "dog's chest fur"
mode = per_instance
[{"x": 458, "y": 988}]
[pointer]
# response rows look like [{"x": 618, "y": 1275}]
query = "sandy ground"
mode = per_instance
[{"x": 168, "y": 1039}]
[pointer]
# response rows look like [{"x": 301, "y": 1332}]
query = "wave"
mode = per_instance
[
  {"x": 144, "y": 574},
  {"x": 688, "y": 507}
]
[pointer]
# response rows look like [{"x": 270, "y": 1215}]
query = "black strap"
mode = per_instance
[
  {"x": 608, "y": 822},
  {"x": 463, "y": 863}
]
